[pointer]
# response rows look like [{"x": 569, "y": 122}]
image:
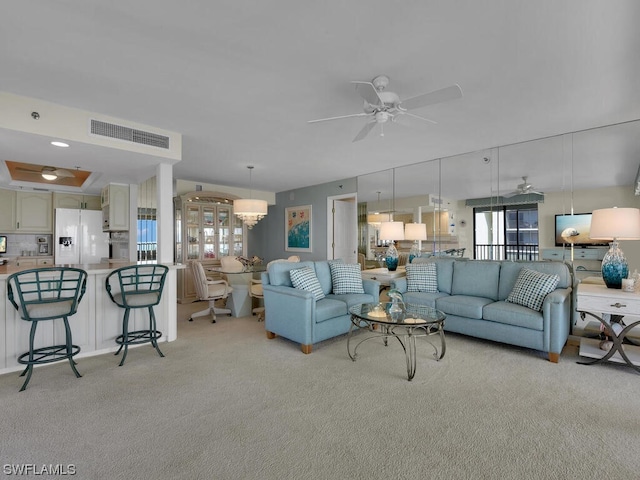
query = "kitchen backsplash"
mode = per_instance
[{"x": 22, "y": 245}]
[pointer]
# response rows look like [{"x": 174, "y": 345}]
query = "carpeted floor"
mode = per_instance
[{"x": 227, "y": 403}]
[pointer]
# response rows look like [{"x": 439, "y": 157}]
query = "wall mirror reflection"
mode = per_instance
[{"x": 501, "y": 203}]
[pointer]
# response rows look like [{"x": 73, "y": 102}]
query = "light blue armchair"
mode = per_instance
[{"x": 295, "y": 314}]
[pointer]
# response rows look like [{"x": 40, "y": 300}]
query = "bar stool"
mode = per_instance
[
  {"x": 140, "y": 287},
  {"x": 47, "y": 294}
]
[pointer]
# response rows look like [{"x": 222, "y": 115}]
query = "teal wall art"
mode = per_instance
[{"x": 298, "y": 229}]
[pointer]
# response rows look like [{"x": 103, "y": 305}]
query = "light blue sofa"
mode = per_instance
[
  {"x": 472, "y": 293},
  {"x": 296, "y": 315}
]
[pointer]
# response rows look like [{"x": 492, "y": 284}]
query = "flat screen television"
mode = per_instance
[
  {"x": 574, "y": 229},
  {"x": 3, "y": 244}
]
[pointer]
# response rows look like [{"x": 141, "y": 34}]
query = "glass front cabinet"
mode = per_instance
[{"x": 206, "y": 229}]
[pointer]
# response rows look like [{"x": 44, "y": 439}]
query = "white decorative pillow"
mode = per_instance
[
  {"x": 346, "y": 278},
  {"x": 531, "y": 287},
  {"x": 422, "y": 277},
  {"x": 305, "y": 279}
]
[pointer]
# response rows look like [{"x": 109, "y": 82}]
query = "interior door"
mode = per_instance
[{"x": 345, "y": 229}]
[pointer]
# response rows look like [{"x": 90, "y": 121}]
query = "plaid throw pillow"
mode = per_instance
[
  {"x": 422, "y": 277},
  {"x": 346, "y": 278},
  {"x": 305, "y": 279},
  {"x": 531, "y": 287}
]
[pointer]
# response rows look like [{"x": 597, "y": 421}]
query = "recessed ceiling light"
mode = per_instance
[{"x": 60, "y": 144}]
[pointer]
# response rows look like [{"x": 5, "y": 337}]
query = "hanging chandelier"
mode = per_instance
[{"x": 250, "y": 210}]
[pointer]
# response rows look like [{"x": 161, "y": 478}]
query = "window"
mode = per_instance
[
  {"x": 147, "y": 241},
  {"x": 506, "y": 232}
]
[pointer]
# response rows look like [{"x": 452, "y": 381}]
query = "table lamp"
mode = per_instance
[
  {"x": 391, "y": 231},
  {"x": 615, "y": 224},
  {"x": 416, "y": 232}
]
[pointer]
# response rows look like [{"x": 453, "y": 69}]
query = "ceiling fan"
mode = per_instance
[
  {"x": 381, "y": 106},
  {"x": 523, "y": 189},
  {"x": 48, "y": 173}
]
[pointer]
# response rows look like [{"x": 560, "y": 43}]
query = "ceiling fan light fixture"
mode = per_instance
[{"x": 49, "y": 174}]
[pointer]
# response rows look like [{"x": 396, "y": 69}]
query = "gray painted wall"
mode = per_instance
[{"x": 266, "y": 239}]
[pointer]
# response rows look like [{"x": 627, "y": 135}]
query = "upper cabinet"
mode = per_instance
[
  {"x": 8, "y": 212},
  {"x": 34, "y": 213},
  {"x": 77, "y": 201},
  {"x": 115, "y": 208}
]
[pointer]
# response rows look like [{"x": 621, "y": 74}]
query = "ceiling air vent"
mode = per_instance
[{"x": 129, "y": 134}]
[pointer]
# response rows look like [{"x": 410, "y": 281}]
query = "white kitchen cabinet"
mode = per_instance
[
  {"x": 76, "y": 201},
  {"x": 8, "y": 211},
  {"x": 34, "y": 212},
  {"x": 26, "y": 262},
  {"x": 115, "y": 208}
]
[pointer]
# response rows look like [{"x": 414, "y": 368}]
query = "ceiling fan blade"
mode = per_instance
[
  {"x": 365, "y": 131},
  {"x": 419, "y": 117},
  {"x": 443, "y": 95},
  {"x": 339, "y": 117},
  {"x": 367, "y": 91},
  {"x": 27, "y": 170},
  {"x": 61, "y": 172}
]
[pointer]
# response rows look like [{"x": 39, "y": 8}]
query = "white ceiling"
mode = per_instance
[{"x": 240, "y": 79}]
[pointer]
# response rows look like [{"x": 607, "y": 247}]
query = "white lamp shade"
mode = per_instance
[
  {"x": 392, "y": 231},
  {"x": 250, "y": 206},
  {"x": 615, "y": 223},
  {"x": 415, "y": 231}
]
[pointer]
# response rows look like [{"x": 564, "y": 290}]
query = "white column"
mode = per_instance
[
  {"x": 164, "y": 212},
  {"x": 164, "y": 217},
  {"x": 133, "y": 222}
]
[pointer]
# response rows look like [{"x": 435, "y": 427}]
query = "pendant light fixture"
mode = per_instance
[
  {"x": 376, "y": 218},
  {"x": 248, "y": 209}
]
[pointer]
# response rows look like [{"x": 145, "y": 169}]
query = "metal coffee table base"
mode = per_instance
[{"x": 406, "y": 336}]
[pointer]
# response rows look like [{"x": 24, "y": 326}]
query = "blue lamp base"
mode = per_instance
[
  {"x": 414, "y": 252},
  {"x": 391, "y": 258},
  {"x": 614, "y": 267}
]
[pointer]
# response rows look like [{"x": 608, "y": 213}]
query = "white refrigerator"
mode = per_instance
[{"x": 78, "y": 237}]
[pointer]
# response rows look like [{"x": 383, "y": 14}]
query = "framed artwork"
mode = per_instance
[{"x": 297, "y": 229}]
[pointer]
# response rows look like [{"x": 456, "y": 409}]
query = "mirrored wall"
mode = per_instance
[{"x": 575, "y": 172}]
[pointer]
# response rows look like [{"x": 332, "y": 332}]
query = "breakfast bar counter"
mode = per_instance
[{"x": 96, "y": 324}]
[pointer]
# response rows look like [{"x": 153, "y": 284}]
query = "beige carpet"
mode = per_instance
[{"x": 227, "y": 403}]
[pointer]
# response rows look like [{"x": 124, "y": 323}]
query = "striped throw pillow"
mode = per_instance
[
  {"x": 305, "y": 279},
  {"x": 531, "y": 287}
]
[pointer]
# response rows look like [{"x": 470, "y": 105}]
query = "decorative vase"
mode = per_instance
[
  {"x": 391, "y": 258},
  {"x": 614, "y": 267}
]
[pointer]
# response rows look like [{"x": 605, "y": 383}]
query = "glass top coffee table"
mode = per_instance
[{"x": 404, "y": 322}]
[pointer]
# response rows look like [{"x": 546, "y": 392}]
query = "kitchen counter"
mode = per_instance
[
  {"x": 96, "y": 324},
  {"x": 11, "y": 267}
]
